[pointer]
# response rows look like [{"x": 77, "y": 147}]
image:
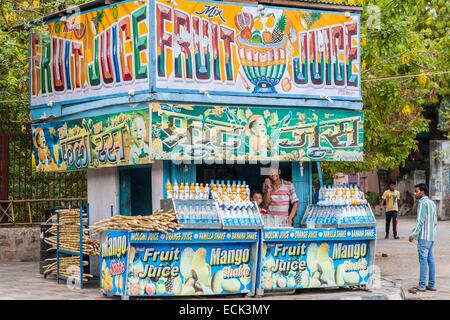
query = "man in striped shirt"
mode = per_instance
[
  {"x": 425, "y": 234},
  {"x": 278, "y": 195}
]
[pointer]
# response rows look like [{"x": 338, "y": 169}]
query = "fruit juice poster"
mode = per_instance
[
  {"x": 104, "y": 141},
  {"x": 249, "y": 50},
  {"x": 85, "y": 56},
  {"x": 315, "y": 264},
  {"x": 186, "y": 270},
  {"x": 219, "y": 133},
  {"x": 113, "y": 256}
]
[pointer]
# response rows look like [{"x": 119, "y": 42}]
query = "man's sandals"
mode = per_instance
[{"x": 416, "y": 289}]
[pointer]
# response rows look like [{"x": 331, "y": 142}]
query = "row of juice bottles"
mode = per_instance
[
  {"x": 199, "y": 213},
  {"x": 226, "y": 192},
  {"x": 184, "y": 191},
  {"x": 240, "y": 216},
  {"x": 341, "y": 195},
  {"x": 340, "y": 215},
  {"x": 206, "y": 213},
  {"x": 231, "y": 193}
]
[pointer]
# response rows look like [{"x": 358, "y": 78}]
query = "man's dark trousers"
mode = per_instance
[{"x": 391, "y": 215}]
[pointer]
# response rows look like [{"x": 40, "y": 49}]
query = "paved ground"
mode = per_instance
[
  {"x": 398, "y": 270},
  {"x": 22, "y": 280},
  {"x": 402, "y": 263}
]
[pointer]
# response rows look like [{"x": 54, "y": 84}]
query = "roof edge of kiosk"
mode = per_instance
[
  {"x": 318, "y": 5},
  {"x": 68, "y": 11}
]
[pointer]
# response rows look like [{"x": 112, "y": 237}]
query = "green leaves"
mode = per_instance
[
  {"x": 14, "y": 52},
  {"x": 405, "y": 44}
]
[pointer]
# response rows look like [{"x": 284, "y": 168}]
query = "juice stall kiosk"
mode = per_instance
[{"x": 139, "y": 93}]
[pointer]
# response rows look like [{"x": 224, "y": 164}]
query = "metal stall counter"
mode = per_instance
[
  {"x": 209, "y": 256},
  {"x": 334, "y": 248}
]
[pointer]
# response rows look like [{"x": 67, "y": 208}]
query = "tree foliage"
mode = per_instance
[
  {"x": 412, "y": 37},
  {"x": 14, "y": 53}
]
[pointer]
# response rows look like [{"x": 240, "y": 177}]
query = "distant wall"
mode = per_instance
[
  {"x": 102, "y": 193},
  {"x": 19, "y": 244}
]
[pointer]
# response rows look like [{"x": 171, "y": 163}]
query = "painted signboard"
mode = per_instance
[
  {"x": 306, "y": 264},
  {"x": 180, "y": 263},
  {"x": 190, "y": 269},
  {"x": 243, "y": 49},
  {"x": 90, "y": 55},
  {"x": 103, "y": 141},
  {"x": 114, "y": 254},
  {"x": 229, "y": 133}
]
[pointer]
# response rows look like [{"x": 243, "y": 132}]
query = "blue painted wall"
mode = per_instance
[
  {"x": 303, "y": 186},
  {"x": 178, "y": 172}
]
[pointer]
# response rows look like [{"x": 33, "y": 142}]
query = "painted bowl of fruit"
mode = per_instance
[{"x": 263, "y": 54}]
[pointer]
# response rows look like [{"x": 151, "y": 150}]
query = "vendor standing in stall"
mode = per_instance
[{"x": 279, "y": 194}]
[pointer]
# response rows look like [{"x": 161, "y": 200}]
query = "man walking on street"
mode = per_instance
[
  {"x": 425, "y": 234},
  {"x": 391, "y": 198}
]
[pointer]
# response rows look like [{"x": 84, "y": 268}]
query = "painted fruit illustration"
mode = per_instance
[
  {"x": 280, "y": 28},
  {"x": 311, "y": 258},
  {"x": 268, "y": 282},
  {"x": 187, "y": 290},
  {"x": 270, "y": 21},
  {"x": 186, "y": 262},
  {"x": 138, "y": 268},
  {"x": 264, "y": 56},
  {"x": 281, "y": 282},
  {"x": 150, "y": 289},
  {"x": 134, "y": 289},
  {"x": 160, "y": 288},
  {"x": 302, "y": 279},
  {"x": 286, "y": 85},
  {"x": 256, "y": 37},
  {"x": 291, "y": 281},
  {"x": 314, "y": 282},
  {"x": 340, "y": 271},
  {"x": 259, "y": 25},
  {"x": 216, "y": 283},
  {"x": 132, "y": 254},
  {"x": 231, "y": 285},
  {"x": 267, "y": 37},
  {"x": 246, "y": 34},
  {"x": 351, "y": 277},
  {"x": 243, "y": 20}
]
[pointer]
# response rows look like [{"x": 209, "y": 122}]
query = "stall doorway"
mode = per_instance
[
  {"x": 299, "y": 174},
  {"x": 135, "y": 191}
]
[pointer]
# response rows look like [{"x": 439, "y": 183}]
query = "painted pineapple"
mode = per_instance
[
  {"x": 311, "y": 18},
  {"x": 280, "y": 27},
  {"x": 169, "y": 284}
]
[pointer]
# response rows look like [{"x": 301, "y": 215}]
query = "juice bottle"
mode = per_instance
[
  {"x": 233, "y": 187},
  {"x": 242, "y": 187},
  {"x": 192, "y": 191},
  {"x": 202, "y": 192},
  {"x": 197, "y": 191},
  {"x": 181, "y": 195},
  {"x": 224, "y": 187},
  {"x": 175, "y": 190},
  {"x": 206, "y": 192},
  {"x": 186, "y": 191},
  {"x": 169, "y": 190}
]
